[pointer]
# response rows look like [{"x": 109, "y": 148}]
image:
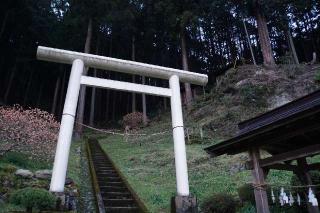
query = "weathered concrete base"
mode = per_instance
[{"x": 184, "y": 204}]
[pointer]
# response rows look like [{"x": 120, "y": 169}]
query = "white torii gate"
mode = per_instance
[{"x": 81, "y": 60}]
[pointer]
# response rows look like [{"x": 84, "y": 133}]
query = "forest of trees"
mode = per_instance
[{"x": 205, "y": 36}]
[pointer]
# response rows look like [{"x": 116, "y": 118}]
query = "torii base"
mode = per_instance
[{"x": 184, "y": 204}]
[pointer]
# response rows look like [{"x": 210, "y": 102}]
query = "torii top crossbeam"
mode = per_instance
[{"x": 119, "y": 65}]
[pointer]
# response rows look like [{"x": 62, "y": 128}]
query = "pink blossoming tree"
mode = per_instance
[{"x": 31, "y": 131}]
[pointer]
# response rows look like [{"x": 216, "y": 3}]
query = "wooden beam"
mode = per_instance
[
  {"x": 285, "y": 167},
  {"x": 260, "y": 193},
  {"x": 287, "y": 156},
  {"x": 280, "y": 135},
  {"x": 267, "y": 137},
  {"x": 305, "y": 178},
  {"x": 314, "y": 166}
]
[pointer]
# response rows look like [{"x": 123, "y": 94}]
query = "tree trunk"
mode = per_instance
[
  {"x": 93, "y": 92},
  {"x": 29, "y": 209},
  {"x": 165, "y": 103},
  {"x": 249, "y": 43},
  {"x": 133, "y": 58},
  {"x": 134, "y": 109},
  {"x": 4, "y": 23},
  {"x": 108, "y": 103},
  {"x": 128, "y": 108},
  {"x": 82, "y": 96},
  {"x": 314, "y": 58},
  {"x": 6, "y": 95},
  {"x": 39, "y": 96},
  {"x": 292, "y": 47},
  {"x": 265, "y": 43},
  {"x": 164, "y": 100},
  {"x": 108, "y": 106},
  {"x": 61, "y": 102},
  {"x": 144, "y": 105},
  {"x": 27, "y": 89},
  {"x": 93, "y": 101},
  {"x": 185, "y": 66},
  {"x": 110, "y": 45},
  {"x": 114, "y": 105},
  {"x": 55, "y": 96}
]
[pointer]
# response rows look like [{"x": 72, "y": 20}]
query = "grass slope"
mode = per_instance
[{"x": 149, "y": 168}]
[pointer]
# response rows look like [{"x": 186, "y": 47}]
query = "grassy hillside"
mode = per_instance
[
  {"x": 242, "y": 93},
  {"x": 149, "y": 167}
]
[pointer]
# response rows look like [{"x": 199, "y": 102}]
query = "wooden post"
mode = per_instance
[
  {"x": 260, "y": 193},
  {"x": 305, "y": 178}
]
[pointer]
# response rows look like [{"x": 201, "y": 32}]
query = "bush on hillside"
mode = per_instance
[
  {"x": 246, "y": 193},
  {"x": 133, "y": 120},
  {"x": 8, "y": 168},
  {"x": 31, "y": 131},
  {"x": 220, "y": 203},
  {"x": 247, "y": 208},
  {"x": 253, "y": 94},
  {"x": 16, "y": 158},
  {"x": 30, "y": 198}
]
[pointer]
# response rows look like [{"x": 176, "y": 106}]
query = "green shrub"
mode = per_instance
[
  {"x": 7, "y": 168},
  {"x": 220, "y": 203},
  {"x": 246, "y": 193},
  {"x": 9, "y": 181},
  {"x": 16, "y": 158},
  {"x": 6, "y": 182},
  {"x": 288, "y": 209},
  {"x": 255, "y": 94},
  {"x": 247, "y": 208},
  {"x": 31, "y": 198}
]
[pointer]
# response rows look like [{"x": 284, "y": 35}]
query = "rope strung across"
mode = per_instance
[
  {"x": 145, "y": 136},
  {"x": 263, "y": 186},
  {"x": 259, "y": 186},
  {"x": 122, "y": 134}
]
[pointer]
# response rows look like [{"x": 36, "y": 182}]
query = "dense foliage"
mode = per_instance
[{"x": 206, "y": 36}]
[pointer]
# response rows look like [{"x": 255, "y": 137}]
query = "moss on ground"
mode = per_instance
[
  {"x": 4, "y": 208},
  {"x": 74, "y": 168},
  {"x": 21, "y": 160},
  {"x": 78, "y": 171}
]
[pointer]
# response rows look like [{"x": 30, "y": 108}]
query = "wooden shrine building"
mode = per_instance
[{"x": 290, "y": 134}]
